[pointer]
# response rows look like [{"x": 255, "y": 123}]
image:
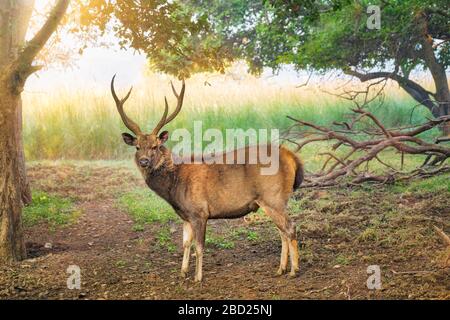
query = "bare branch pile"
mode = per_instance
[{"x": 362, "y": 139}]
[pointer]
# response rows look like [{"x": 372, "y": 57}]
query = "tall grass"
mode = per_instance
[{"x": 84, "y": 124}]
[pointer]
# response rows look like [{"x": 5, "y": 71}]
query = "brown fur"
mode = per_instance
[
  {"x": 214, "y": 191},
  {"x": 201, "y": 191},
  {"x": 198, "y": 192}
]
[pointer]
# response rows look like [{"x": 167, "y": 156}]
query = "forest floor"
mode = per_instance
[{"x": 100, "y": 217}]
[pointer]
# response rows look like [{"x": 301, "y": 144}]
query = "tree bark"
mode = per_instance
[
  {"x": 24, "y": 15},
  {"x": 24, "y": 183},
  {"x": 439, "y": 75},
  {"x": 15, "y": 18},
  {"x": 12, "y": 246},
  {"x": 16, "y": 65}
]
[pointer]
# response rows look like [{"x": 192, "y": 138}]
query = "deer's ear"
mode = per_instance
[
  {"x": 164, "y": 136},
  {"x": 129, "y": 139}
]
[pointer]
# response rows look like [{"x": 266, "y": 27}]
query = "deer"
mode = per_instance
[{"x": 201, "y": 191}]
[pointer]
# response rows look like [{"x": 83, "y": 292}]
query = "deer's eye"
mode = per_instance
[
  {"x": 154, "y": 147},
  {"x": 138, "y": 147}
]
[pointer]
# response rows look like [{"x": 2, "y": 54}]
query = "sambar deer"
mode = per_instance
[{"x": 201, "y": 191}]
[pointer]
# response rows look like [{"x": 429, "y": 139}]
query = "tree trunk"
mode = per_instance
[
  {"x": 25, "y": 189},
  {"x": 14, "y": 24},
  {"x": 439, "y": 75},
  {"x": 16, "y": 65},
  {"x": 25, "y": 8},
  {"x": 442, "y": 94},
  {"x": 12, "y": 247}
]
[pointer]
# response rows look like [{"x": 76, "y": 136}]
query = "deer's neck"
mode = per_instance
[{"x": 163, "y": 180}]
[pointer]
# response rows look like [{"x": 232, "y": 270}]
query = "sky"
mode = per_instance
[{"x": 93, "y": 69}]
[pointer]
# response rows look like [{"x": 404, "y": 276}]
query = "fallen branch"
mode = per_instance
[{"x": 375, "y": 139}]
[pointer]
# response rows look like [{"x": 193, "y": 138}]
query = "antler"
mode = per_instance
[
  {"x": 130, "y": 124},
  {"x": 165, "y": 120}
]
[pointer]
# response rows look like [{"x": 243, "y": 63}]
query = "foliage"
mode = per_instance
[
  {"x": 177, "y": 40},
  {"x": 324, "y": 35}
]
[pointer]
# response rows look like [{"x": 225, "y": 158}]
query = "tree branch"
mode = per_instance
[
  {"x": 415, "y": 90},
  {"x": 362, "y": 151},
  {"x": 35, "y": 45}
]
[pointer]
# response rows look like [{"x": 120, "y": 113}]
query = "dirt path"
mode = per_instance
[
  {"x": 119, "y": 263},
  {"x": 116, "y": 262}
]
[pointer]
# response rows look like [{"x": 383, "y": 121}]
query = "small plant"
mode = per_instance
[
  {"x": 121, "y": 264},
  {"x": 219, "y": 241},
  {"x": 164, "y": 240},
  {"x": 342, "y": 260},
  {"x": 369, "y": 234},
  {"x": 54, "y": 210},
  {"x": 252, "y": 235},
  {"x": 138, "y": 227}
]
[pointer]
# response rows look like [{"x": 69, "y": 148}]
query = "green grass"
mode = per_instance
[
  {"x": 440, "y": 183},
  {"x": 164, "y": 240},
  {"x": 253, "y": 235},
  {"x": 227, "y": 240},
  {"x": 84, "y": 124},
  {"x": 219, "y": 241},
  {"x": 146, "y": 207},
  {"x": 53, "y": 210},
  {"x": 342, "y": 260},
  {"x": 222, "y": 241},
  {"x": 121, "y": 264}
]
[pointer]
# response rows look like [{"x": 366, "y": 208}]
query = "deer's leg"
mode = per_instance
[
  {"x": 284, "y": 254},
  {"x": 293, "y": 251},
  {"x": 188, "y": 234},
  {"x": 199, "y": 231},
  {"x": 288, "y": 237}
]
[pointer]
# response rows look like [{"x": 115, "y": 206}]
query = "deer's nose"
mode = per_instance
[{"x": 144, "y": 162}]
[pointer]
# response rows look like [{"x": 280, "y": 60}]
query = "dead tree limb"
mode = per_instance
[
  {"x": 362, "y": 138},
  {"x": 404, "y": 141}
]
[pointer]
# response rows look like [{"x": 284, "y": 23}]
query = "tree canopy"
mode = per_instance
[
  {"x": 332, "y": 34},
  {"x": 176, "y": 39},
  {"x": 323, "y": 35}
]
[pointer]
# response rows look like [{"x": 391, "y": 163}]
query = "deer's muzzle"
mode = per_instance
[{"x": 144, "y": 162}]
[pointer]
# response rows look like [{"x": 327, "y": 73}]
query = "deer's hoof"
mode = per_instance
[
  {"x": 280, "y": 271},
  {"x": 198, "y": 277},
  {"x": 183, "y": 274},
  {"x": 292, "y": 274}
]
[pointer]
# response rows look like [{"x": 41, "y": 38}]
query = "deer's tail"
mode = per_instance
[{"x": 299, "y": 172}]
